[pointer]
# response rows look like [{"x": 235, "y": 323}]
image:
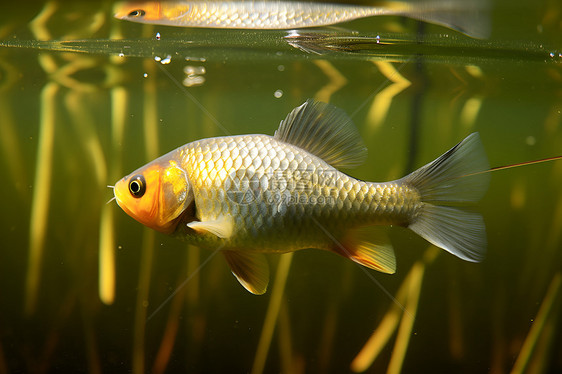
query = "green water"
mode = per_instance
[{"x": 83, "y": 102}]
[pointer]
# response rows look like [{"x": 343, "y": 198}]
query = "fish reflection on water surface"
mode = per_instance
[
  {"x": 469, "y": 17},
  {"x": 253, "y": 194}
]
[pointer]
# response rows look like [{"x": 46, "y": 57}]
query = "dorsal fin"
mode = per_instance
[{"x": 326, "y": 132}]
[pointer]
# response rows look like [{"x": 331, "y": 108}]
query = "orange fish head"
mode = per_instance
[
  {"x": 143, "y": 11},
  {"x": 155, "y": 195}
]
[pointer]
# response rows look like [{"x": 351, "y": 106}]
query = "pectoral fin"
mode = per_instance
[
  {"x": 376, "y": 252},
  {"x": 221, "y": 227},
  {"x": 250, "y": 269}
]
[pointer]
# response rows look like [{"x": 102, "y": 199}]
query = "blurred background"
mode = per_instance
[{"x": 86, "y": 98}]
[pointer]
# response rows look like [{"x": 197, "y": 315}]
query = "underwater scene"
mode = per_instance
[{"x": 91, "y": 91}]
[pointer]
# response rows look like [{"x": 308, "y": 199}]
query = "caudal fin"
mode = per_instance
[
  {"x": 470, "y": 17},
  {"x": 446, "y": 186}
]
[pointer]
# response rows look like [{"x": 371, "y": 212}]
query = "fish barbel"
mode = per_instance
[
  {"x": 469, "y": 17},
  {"x": 252, "y": 194}
]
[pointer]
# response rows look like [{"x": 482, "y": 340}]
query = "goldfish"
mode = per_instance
[
  {"x": 250, "y": 195},
  {"x": 469, "y": 17}
]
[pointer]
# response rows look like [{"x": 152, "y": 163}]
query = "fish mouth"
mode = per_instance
[{"x": 116, "y": 197}]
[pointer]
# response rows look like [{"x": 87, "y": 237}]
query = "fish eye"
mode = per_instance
[
  {"x": 137, "y": 13},
  {"x": 137, "y": 185}
]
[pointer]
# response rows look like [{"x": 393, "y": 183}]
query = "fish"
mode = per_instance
[
  {"x": 250, "y": 195},
  {"x": 468, "y": 17}
]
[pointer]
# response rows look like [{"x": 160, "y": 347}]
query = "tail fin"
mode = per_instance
[
  {"x": 469, "y": 17},
  {"x": 444, "y": 186}
]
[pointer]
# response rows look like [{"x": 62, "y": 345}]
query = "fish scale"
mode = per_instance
[
  {"x": 270, "y": 15},
  {"x": 223, "y": 167}
]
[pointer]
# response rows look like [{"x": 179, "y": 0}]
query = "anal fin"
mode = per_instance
[
  {"x": 376, "y": 252},
  {"x": 251, "y": 270}
]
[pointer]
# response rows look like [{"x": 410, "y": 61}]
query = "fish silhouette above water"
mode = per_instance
[
  {"x": 470, "y": 17},
  {"x": 253, "y": 194}
]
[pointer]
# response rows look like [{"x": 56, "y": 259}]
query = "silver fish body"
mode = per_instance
[
  {"x": 282, "y": 198},
  {"x": 253, "y": 194},
  {"x": 272, "y": 15},
  {"x": 469, "y": 17}
]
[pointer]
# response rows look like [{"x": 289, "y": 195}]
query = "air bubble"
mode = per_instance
[
  {"x": 194, "y": 75},
  {"x": 192, "y": 81},
  {"x": 191, "y": 70},
  {"x": 199, "y": 59}
]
